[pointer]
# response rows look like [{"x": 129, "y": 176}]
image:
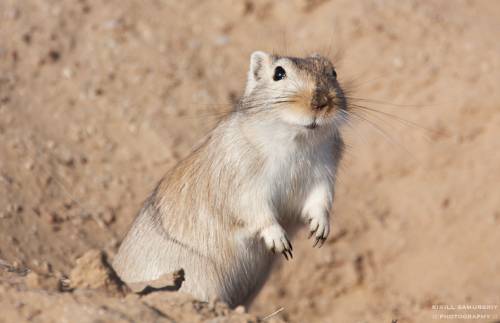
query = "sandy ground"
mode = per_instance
[{"x": 99, "y": 98}]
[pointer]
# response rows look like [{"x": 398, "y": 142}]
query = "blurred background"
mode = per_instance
[{"x": 99, "y": 98}]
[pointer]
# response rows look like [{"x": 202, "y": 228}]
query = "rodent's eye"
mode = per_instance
[
  {"x": 279, "y": 73},
  {"x": 334, "y": 73}
]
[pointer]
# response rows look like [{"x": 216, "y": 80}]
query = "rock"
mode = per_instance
[
  {"x": 92, "y": 271},
  {"x": 107, "y": 215},
  {"x": 170, "y": 281},
  {"x": 38, "y": 281},
  {"x": 240, "y": 309},
  {"x": 33, "y": 280},
  {"x": 29, "y": 165},
  {"x": 65, "y": 157}
]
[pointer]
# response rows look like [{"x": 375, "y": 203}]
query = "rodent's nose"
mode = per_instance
[{"x": 320, "y": 101}]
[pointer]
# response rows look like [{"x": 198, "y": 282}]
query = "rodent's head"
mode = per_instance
[{"x": 302, "y": 92}]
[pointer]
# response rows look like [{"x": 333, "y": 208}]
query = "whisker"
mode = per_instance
[
  {"x": 383, "y": 133},
  {"x": 374, "y": 101},
  {"x": 392, "y": 116},
  {"x": 284, "y": 101}
]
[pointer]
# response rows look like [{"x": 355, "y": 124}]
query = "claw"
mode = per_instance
[
  {"x": 289, "y": 243},
  {"x": 323, "y": 239},
  {"x": 316, "y": 242},
  {"x": 290, "y": 253},
  {"x": 313, "y": 231},
  {"x": 284, "y": 254}
]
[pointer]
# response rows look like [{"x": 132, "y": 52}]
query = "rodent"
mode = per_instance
[{"x": 224, "y": 211}]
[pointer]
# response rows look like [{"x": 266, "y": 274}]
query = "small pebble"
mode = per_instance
[
  {"x": 240, "y": 309},
  {"x": 29, "y": 165}
]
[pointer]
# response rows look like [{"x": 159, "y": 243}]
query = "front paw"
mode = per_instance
[
  {"x": 319, "y": 227},
  {"x": 276, "y": 240}
]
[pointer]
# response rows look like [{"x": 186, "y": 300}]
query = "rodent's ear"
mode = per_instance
[{"x": 258, "y": 62}]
